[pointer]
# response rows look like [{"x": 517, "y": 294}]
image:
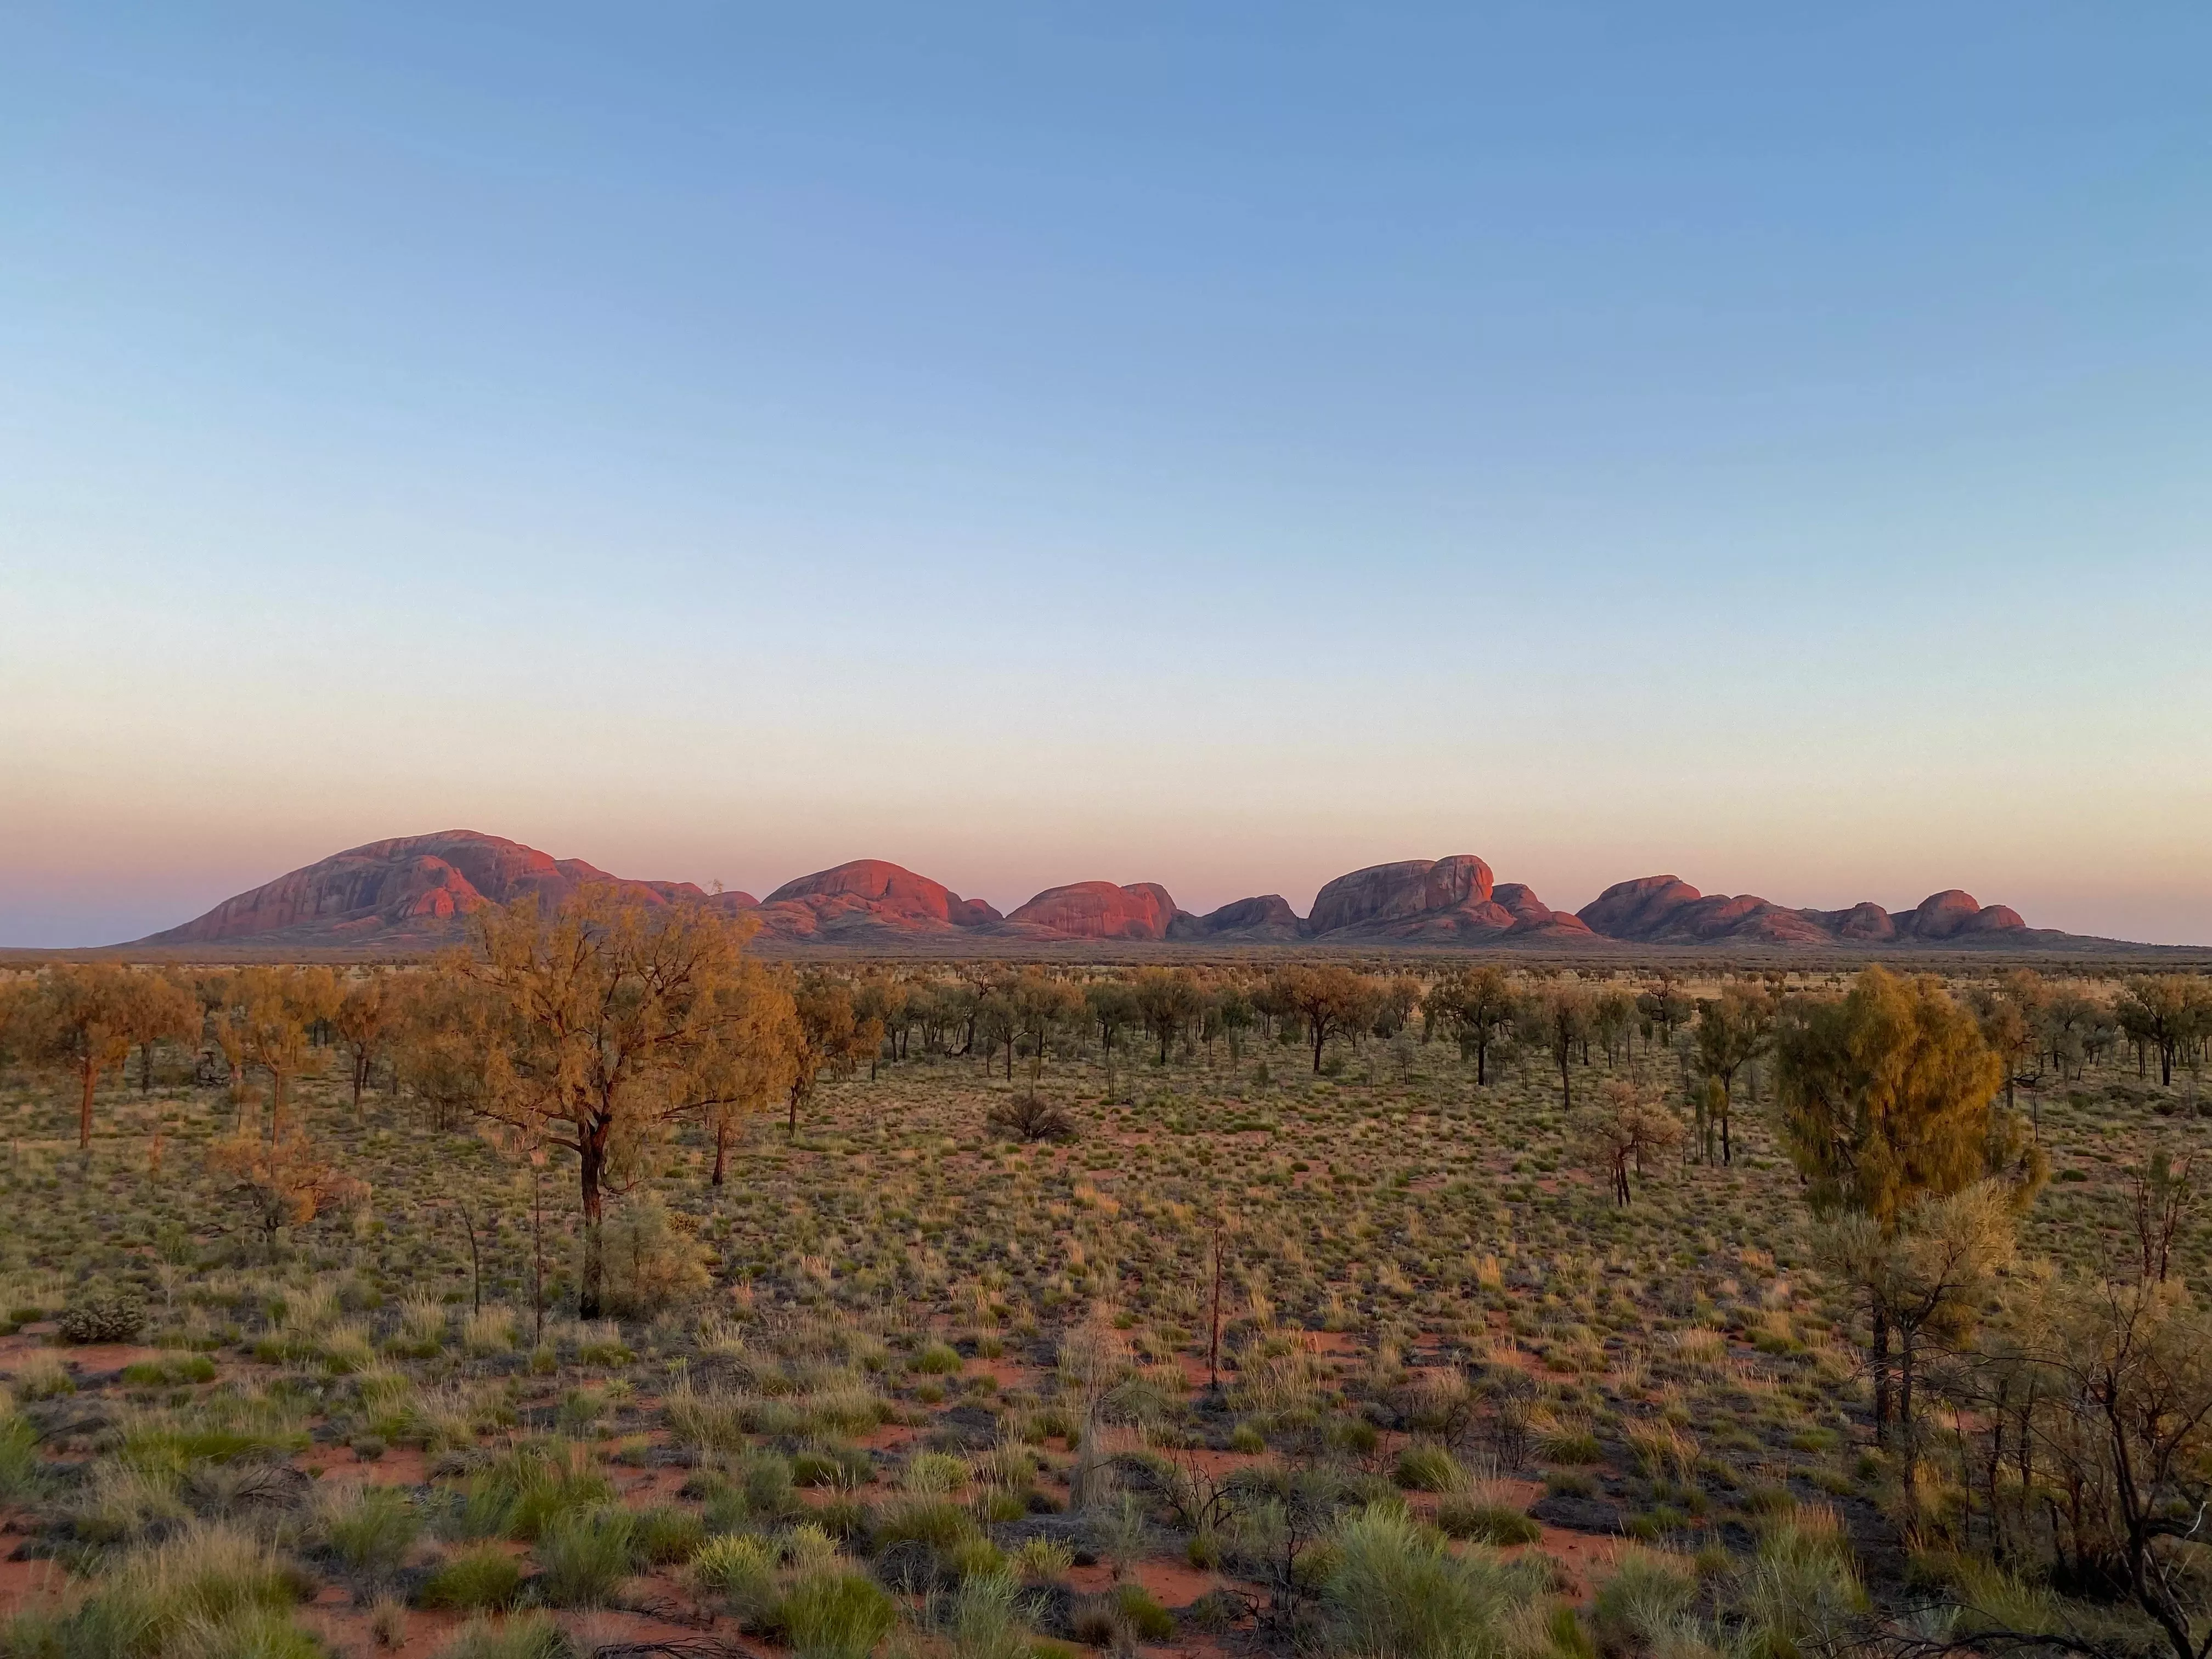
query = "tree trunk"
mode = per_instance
[
  {"x": 1880, "y": 1376},
  {"x": 91, "y": 1073},
  {"x": 476, "y": 1261},
  {"x": 275, "y": 1109},
  {"x": 721, "y": 1152},
  {"x": 145, "y": 1068},
  {"x": 1904, "y": 1399},
  {"x": 591, "y": 1152},
  {"x": 1320, "y": 1036},
  {"x": 1481, "y": 1060},
  {"x": 1728, "y": 1151}
]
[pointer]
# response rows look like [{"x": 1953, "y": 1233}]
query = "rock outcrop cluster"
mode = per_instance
[{"x": 424, "y": 887}]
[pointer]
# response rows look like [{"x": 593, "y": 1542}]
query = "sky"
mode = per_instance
[{"x": 1222, "y": 444}]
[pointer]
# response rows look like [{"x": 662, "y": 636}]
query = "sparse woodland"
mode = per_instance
[{"x": 603, "y": 1290}]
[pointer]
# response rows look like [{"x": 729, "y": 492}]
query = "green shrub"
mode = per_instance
[
  {"x": 473, "y": 1581},
  {"x": 603, "y": 1345},
  {"x": 212, "y": 1588},
  {"x": 767, "y": 1486},
  {"x": 370, "y": 1528},
  {"x": 1429, "y": 1468},
  {"x": 20, "y": 1467},
  {"x": 526, "y": 1490},
  {"x": 251, "y": 1633},
  {"x": 1150, "y": 1620},
  {"x": 987, "y": 1622},
  {"x": 1647, "y": 1594},
  {"x": 831, "y": 1465},
  {"x": 1571, "y": 1442},
  {"x": 103, "y": 1314},
  {"x": 937, "y": 1522},
  {"x": 932, "y": 1474},
  {"x": 527, "y": 1636},
  {"x": 43, "y": 1376},
  {"x": 837, "y": 1615},
  {"x": 740, "y": 1568},
  {"x": 667, "y": 1534},
  {"x": 583, "y": 1554},
  {"x": 935, "y": 1359},
  {"x": 170, "y": 1371},
  {"x": 1394, "y": 1589},
  {"x": 1462, "y": 1514}
]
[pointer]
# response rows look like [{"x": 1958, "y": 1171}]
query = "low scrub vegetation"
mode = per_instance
[{"x": 1360, "y": 1308}]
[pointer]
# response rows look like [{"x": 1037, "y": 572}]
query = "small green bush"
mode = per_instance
[
  {"x": 1393, "y": 1588},
  {"x": 103, "y": 1314},
  {"x": 1647, "y": 1593},
  {"x": 473, "y": 1581},
  {"x": 1146, "y": 1616},
  {"x": 935, "y": 1359},
  {"x": 668, "y": 1534},
  {"x": 21, "y": 1467},
  {"x": 583, "y": 1555},
  {"x": 1461, "y": 1515},
  {"x": 1429, "y": 1468},
  {"x": 741, "y": 1569},
  {"x": 937, "y": 1522},
  {"x": 837, "y": 1615},
  {"x": 527, "y": 1636},
  {"x": 371, "y": 1528},
  {"x": 170, "y": 1371}
]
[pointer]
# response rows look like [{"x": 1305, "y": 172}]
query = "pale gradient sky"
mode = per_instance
[{"x": 1220, "y": 445}]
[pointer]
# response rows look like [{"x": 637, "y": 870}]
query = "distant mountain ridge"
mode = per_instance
[{"x": 415, "y": 890}]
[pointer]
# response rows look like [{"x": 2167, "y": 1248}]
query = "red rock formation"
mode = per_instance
[
  {"x": 869, "y": 896},
  {"x": 414, "y": 885},
  {"x": 1637, "y": 909},
  {"x": 1661, "y": 910},
  {"x": 1099, "y": 910},
  {"x": 1390, "y": 892},
  {"x": 1531, "y": 914},
  {"x": 1948, "y": 914},
  {"x": 1264, "y": 921},
  {"x": 420, "y": 889},
  {"x": 1863, "y": 922}
]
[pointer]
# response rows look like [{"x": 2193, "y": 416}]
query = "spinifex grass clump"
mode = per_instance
[{"x": 472, "y": 1580}]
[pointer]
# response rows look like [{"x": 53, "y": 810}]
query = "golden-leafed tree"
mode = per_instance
[
  {"x": 1472, "y": 1007},
  {"x": 1733, "y": 1029},
  {"x": 447, "y": 1021},
  {"x": 1623, "y": 1129},
  {"x": 2166, "y": 1013},
  {"x": 281, "y": 1183},
  {"x": 78, "y": 1018},
  {"x": 1557, "y": 1022},
  {"x": 756, "y": 1053},
  {"x": 1168, "y": 999},
  {"x": 833, "y": 1036},
  {"x": 1327, "y": 1001},
  {"x": 162, "y": 1009},
  {"x": 1888, "y": 1096},
  {"x": 278, "y": 1009},
  {"x": 366, "y": 1018},
  {"x": 611, "y": 1020}
]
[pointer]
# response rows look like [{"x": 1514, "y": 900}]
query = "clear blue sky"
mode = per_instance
[{"x": 1217, "y": 445}]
